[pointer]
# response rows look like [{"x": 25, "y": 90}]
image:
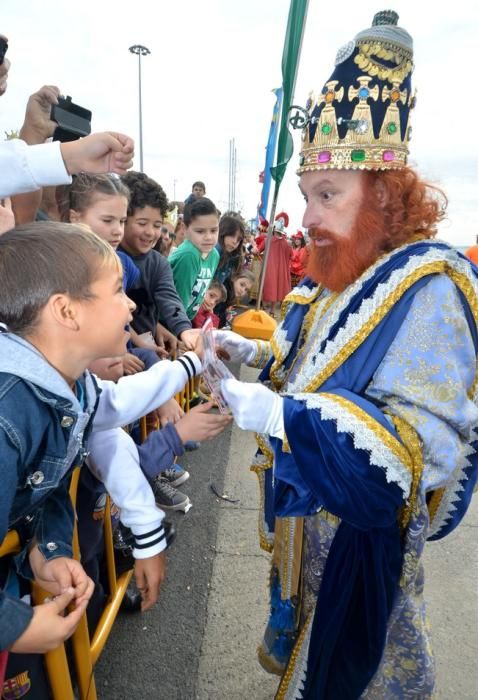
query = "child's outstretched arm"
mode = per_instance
[
  {"x": 200, "y": 424},
  {"x": 132, "y": 397}
]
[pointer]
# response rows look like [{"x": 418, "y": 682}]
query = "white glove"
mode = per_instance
[
  {"x": 255, "y": 407},
  {"x": 238, "y": 348}
]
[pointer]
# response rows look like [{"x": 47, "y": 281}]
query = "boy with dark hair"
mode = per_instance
[
  {"x": 198, "y": 190},
  {"x": 159, "y": 309},
  {"x": 62, "y": 307},
  {"x": 195, "y": 261}
]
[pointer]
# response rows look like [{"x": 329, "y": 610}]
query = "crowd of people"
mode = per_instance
[
  {"x": 180, "y": 264},
  {"x": 365, "y": 410}
]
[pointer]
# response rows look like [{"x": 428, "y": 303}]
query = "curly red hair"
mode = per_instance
[
  {"x": 412, "y": 208},
  {"x": 397, "y": 208}
]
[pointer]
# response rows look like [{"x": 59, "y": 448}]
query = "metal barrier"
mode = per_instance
[{"x": 85, "y": 651}]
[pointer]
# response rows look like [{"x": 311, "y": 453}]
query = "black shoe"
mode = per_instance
[
  {"x": 132, "y": 599},
  {"x": 123, "y": 543},
  {"x": 169, "y": 531}
]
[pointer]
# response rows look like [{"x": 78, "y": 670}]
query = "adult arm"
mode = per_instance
[
  {"x": 340, "y": 443},
  {"x": 27, "y": 168},
  {"x": 37, "y": 127}
]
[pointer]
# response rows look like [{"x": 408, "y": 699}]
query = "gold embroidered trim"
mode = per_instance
[
  {"x": 262, "y": 354},
  {"x": 263, "y": 539},
  {"x": 285, "y": 444},
  {"x": 434, "y": 503},
  {"x": 265, "y": 448},
  {"x": 287, "y": 677},
  {"x": 440, "y": 266},
  {"x": 307, "y": 323},
  {"x": 412, "y": 442},
  {"x": 382, "y": 433}
]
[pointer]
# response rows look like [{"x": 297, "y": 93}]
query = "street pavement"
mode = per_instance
[{"x": 199, "y": 643}]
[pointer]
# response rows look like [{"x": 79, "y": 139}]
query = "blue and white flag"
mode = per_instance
[{"x": 270, "y": 153}]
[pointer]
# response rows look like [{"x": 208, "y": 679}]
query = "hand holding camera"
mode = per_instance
[{"x": 38, "y": 125}]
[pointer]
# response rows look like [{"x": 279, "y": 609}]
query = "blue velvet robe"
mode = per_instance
[{"x": 379, "y": 454}]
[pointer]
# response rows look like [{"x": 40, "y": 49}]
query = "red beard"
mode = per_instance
[{"x": 337, "y": 265}]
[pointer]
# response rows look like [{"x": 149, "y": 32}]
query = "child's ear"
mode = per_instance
[
  {"x": 74, "y": 216},
  {"x": 63, "y": 311}
]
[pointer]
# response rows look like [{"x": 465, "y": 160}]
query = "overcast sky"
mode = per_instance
[{"x": 209, "y": 78}]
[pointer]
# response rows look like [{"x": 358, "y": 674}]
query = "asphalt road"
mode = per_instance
[
  {"x": 199, "y": 642},
  {"x": 156, "y": 654}
]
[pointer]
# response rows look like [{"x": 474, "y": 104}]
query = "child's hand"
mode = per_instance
[
  {"x": 199, "y": 425},
  {"x": 165, "y": 339},
  {"x": 189, "y": 338},
  {"x": 149, "y": 574},
  {"x": 57, "y": 575},
  {"x": 132, "y": 364},
  {"x": 7, "y": 218},
  {"x": 49, "y": 627},
  {"x": 169, "y": 412}
]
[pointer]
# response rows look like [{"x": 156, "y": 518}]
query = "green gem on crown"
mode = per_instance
[
  {"x": 357, "y": 156},
  {"x": 392, "y": 128},
  {"x": 326, "y": 129}
]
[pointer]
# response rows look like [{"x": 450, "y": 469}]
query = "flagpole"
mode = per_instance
[
  {"x": 297, "y": 8},
  {"x": 268, "y": 246}
]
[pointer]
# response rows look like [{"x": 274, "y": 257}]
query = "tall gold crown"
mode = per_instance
[{"x": 360, "y": 118}]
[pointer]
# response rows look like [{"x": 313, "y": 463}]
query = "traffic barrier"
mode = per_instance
[{"x": 85, "y": 651}]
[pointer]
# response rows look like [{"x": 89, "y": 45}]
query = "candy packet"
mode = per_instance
[{"x": 214, "y": 370}]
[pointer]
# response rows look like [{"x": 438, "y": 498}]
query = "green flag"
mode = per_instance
[{"x": 290, "y": 61}]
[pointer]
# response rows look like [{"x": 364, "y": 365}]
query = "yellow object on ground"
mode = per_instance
[{"x": 254, "y": 324}]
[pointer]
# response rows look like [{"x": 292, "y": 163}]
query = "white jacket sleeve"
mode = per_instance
[
  {"x": 133, "y": 397},
  {"x": 114, "y": 460},
  {"x": 27, "y": 168}
]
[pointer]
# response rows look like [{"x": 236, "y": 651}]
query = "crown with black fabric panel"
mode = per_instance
[{"x": 360, "y": 119}]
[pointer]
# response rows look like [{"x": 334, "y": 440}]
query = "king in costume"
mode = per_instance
[{"x": 367, "y": 411}]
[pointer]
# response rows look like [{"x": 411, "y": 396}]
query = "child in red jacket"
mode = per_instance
[{"x": 215, "y": 294}]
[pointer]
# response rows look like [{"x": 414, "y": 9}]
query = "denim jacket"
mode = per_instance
[
  {"x": 42, "y": 435},
  {"x": 43, "y": 432}
]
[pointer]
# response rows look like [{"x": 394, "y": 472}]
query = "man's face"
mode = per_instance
[
  {"x": 333, "y": 198},
  {"x": 198, "y": 191},
  {"x": 142, "y": 230},
  {"x": 346, "y": 227}
]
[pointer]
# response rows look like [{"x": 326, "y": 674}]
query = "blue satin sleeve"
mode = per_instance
[{"x": 344, "y": 456}]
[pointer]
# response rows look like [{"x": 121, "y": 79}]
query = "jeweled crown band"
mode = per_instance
[{"x": 360, "y": 118}]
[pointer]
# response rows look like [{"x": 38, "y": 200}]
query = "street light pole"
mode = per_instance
[{"x": 140, "y": 51}]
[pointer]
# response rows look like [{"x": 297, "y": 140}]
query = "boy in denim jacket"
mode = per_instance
[{"x": 62, "y": 306}]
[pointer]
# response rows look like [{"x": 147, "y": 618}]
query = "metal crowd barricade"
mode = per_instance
[{"x": 85, "y": 651}]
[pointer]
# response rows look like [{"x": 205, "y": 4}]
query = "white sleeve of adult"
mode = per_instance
[
  {"x": 27, "y": 168},
  {"x": 135, "y": 396},
  {"x": 114, "y": 460}
]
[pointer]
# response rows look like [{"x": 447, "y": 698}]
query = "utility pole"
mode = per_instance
[
  {"x": 140, "y": 51},
  {"x": 231, "y": 205}
]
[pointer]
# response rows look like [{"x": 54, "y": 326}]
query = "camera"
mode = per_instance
[
  {"x": 3, "y": 49},
  {"x": 73, "y": 121}
]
